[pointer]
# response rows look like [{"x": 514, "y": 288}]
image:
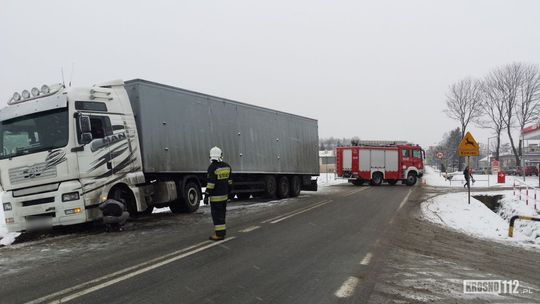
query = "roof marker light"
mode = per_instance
[
  {"x": 45, "y": 89},
  {"x": 16, "y": 96},
  {"x": 25, "y": 94},
  {"x": 35, "y": 92}
]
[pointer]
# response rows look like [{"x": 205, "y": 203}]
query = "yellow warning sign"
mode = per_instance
[{"x": 468, "y": 146}]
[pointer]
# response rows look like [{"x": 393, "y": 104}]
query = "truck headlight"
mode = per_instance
[
  {"x": 73, "y": 211},
  {"x": 7, "y": 207},
  {"x": 72, "y": 196}
]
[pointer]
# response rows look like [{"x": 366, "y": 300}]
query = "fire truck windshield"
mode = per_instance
[{"x": 34, "y": 133}]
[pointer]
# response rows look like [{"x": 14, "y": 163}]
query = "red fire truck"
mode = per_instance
[{"x": 378, "y": 161}]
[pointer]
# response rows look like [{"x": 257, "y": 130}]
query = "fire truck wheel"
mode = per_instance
[
  {"x": 411, "y": 179},
  {"x": 296, "y": 187},
  {"x": 283, "y": 187},
  {"x": 377, "y": 179},
  {"x": 392, "y": 182}
]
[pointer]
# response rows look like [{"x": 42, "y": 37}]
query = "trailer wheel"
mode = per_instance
[
  {"x": 270, "y": 186},
  {"x": 392, "y": 182},
  {"x": 191, "y": 198},
  {"x": 124, "y": 195},
  {"x": 358, "y": 182},
  {"x": 411, "y": 179},
  {"x": 376, "y": 179},
  {"x": 296, "y": 187},
  {"x": 283, "y": 187}
]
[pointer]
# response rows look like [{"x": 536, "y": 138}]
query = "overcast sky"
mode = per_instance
[{"x": 376, "y": 70}]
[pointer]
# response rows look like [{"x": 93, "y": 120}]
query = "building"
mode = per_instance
[{"x": 327, "y": 161}]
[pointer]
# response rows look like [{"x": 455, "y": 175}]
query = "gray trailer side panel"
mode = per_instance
[{"x": 177, "y": 128}]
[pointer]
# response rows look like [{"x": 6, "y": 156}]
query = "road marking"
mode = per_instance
[
  {"x": 183, "y": 253},
  {"x": 404, "y": 200},
  {"x": 290, "y": 212},
  {"x": 354, "y": 192},
  {"x": 249, "y": 229},
  {"x": 366, "y": 259},
  {"x": 347, "y": 289},
  {"x": 299, "y": 212}
]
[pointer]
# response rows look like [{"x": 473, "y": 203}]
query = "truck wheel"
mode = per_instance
[
  {"x": 377, "y": 179},
  {"x": 270, "y": 186},
  {"x": 358, "y": 182},
  {"x": 295, "y": 186},
  {"x": 191, "y": 198},
  {"x": 411, "y": 179},
  {"x": 283, "y": 187},
  {"x": 148, "y": 210},
  {"x": 124, "y": 195},
  {"x": 392, "y": 182}
]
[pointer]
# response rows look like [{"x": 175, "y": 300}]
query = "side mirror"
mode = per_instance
[
  {"x": 84, "y": 124},
  {"x": 86, "y": 138}
]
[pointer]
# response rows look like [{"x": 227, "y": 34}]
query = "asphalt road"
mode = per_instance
[{"x": 322, "y": 247}]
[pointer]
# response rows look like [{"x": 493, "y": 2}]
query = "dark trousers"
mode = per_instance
[
  {"x": 218, "y": 210},
  {"x": 467, "y": 182}
]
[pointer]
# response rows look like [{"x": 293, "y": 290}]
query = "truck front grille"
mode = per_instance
[{"x": 38, "y": 201}]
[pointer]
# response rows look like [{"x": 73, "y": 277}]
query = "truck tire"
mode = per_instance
[
  {"x": 411, "y": 179},
  {"x": 270, "y": 185},
  {"x": 392, "y": 182},
  {"x": 377, "y": 179},
  {"x": 283, "y": 187},
  {"x": 124, "y": 195},
  {"x": 296, "y": 187},
  {"x": 191, "y": 198},
  {"x": 358, "y": 182}
]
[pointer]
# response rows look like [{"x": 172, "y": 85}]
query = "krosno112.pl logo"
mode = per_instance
[{"x": 495, "y": 287}]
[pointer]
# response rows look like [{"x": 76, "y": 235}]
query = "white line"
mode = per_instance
[
  {"x": 126, "y": 276},
  {"x": 249, "y": 229},
  {"x": 300, "y": 212},
  {"x": 285, "y": 214},
  {"x": 366, "y": 259},
  {"x": 347, "y": 289},
  {"x": 404, "y": 200}
]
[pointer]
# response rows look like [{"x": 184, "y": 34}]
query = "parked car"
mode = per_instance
[
  {"x": 511, "y": 171},
  {"x": 529, "y": 171}
]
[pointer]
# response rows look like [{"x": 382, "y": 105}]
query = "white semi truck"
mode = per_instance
[{"x": 65, "y": 150}]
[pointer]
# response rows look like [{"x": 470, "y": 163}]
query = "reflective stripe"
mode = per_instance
[
  {"x": 219, "y": 198},
  {"x": 219, "y": 227},
  {"x": 230, "y": 182},
  {"x": 223, "y": 173},
  {"x": 210, "y": 185}
]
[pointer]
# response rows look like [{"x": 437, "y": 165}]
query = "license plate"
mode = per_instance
[{"x": 39, "y": 223}]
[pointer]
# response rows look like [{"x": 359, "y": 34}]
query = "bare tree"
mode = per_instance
[
  {"x": 508, "y": 81},
  {"x": 463, "y": 103},
  {"x": 528, "y": 104},
  {"x": 493, "y": 109}
]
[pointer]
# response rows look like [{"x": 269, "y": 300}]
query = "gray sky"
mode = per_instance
[{"x": 377, "y": 70}]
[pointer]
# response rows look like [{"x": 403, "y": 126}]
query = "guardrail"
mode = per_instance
[
  {"x": 525, "y": 192},
  {"x": 520, "y": 217},
  {"x": 450, "y": 178}
]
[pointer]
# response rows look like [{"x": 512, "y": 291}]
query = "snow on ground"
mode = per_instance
[
  {"x": 453, "y": 211},
  {"x": 6, "y": 238},
  {"x": 328, "y": 179},
  {"x": 435, "y": 178}
]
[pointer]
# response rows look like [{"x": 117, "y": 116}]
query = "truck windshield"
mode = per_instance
[{"x": 34, "y": 133}]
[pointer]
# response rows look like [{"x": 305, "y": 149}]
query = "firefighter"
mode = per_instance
[{"x": 218, "y": 188}]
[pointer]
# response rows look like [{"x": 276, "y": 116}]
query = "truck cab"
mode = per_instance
[{"x": 62, "y": 152}]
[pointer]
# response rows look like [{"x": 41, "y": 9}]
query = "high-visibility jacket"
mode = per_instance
[{"x": 219, "y": 181}]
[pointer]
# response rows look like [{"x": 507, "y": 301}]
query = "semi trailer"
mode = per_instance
[{"x": 67, "y": 149}]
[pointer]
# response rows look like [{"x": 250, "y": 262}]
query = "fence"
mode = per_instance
[{"x": 525, "y": 192}]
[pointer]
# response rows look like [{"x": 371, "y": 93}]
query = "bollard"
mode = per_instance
[
  {"x": 521, "y": 217},
  {"x": 527, "y": 196}
]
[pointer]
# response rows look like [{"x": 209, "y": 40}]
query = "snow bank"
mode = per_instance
[
  {"x": 453, "y": 211},
  {"x": 328, "y": 179},
  {"x": 524, "y": 229},
  {"x": 6, "y": 238}
]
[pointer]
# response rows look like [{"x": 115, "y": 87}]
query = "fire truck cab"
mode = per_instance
[{"x": 379, "y": 161}]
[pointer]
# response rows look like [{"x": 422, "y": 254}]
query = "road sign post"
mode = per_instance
[{"x": 468, "y": 147}]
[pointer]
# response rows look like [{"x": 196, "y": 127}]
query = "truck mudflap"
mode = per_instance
[{"x": 310, "y": 184}]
